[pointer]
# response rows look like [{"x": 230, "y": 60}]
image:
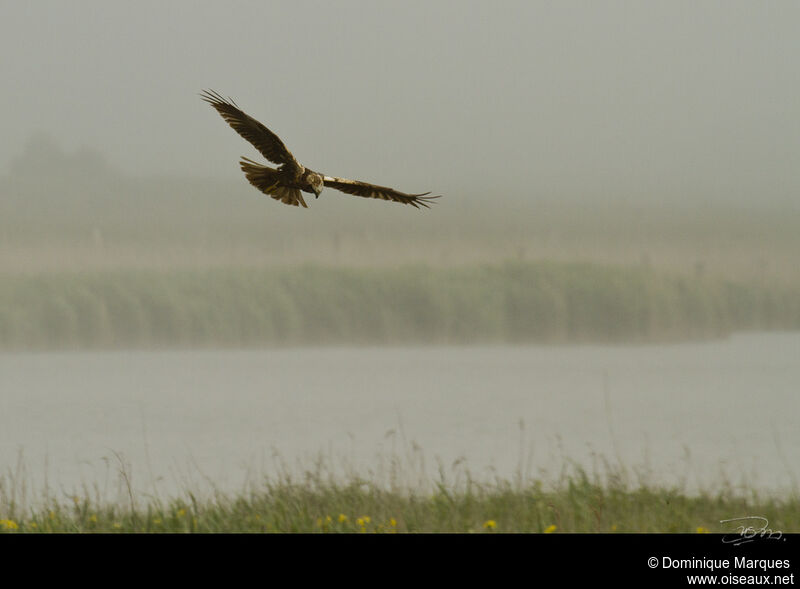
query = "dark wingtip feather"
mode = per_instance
[
  {"x": 424, "y": 200},
  {"x": 214, "y": 98}
]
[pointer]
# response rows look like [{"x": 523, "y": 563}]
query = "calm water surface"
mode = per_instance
[{"x": 696, "y": 414}]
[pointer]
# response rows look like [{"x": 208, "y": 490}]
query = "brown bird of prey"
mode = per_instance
[{"x": 291, "y": 179}]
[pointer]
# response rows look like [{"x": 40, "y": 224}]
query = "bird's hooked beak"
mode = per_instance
[{"x": 315, "y": 181}]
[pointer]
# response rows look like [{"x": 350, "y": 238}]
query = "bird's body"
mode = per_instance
[
  {"x": 285, "y": 185},
  {"x": 290, "y": 179}
]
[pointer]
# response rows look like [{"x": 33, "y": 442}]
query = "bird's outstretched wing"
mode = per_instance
[
  {"x": 374, "y": 191},
  {"x": 264, "y": 140}
]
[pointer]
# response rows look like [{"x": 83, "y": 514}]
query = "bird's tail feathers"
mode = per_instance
[{"x": 268, "y": 181}]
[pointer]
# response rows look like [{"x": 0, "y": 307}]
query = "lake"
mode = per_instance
[{"x": 698, "y": 415}]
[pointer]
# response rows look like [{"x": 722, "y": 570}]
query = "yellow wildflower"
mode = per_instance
[
  {"x": 363, "y": 521},
  {"x": 490, "y": 524},
  {"x": 8, "y": 524},
  {"x": 702, "y": 530},
  {"x": 393, "y": 522},
  {"x": 550, "y": 529},
  {"x": 342, "y": 518},
  {"x": 181, "y": 512}
]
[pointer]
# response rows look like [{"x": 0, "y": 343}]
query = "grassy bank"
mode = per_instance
[
  {"x": 577, "y": 504},
  {"x": 513, "y": 302}
]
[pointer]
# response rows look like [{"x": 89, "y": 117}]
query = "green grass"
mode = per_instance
[
  {"x": 508, "y": 303},
  {"x": 578, "y": 503}
]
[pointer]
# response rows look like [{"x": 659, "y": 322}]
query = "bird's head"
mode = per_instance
[{"x": 315, "y": 180}]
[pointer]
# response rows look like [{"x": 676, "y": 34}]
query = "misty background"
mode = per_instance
[
  {"x": 612, "y": 173},
  {"x": 647, "y": 138},
  {"x": 653, "y": 101}
]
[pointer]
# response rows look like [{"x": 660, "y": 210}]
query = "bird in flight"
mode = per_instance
[{"x": 288, "y": 182}]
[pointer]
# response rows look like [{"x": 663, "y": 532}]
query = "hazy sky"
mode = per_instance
[{"x": 631, "y": 99}]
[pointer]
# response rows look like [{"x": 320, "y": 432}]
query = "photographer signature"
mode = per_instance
[{"x": 750, "y": 533}]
